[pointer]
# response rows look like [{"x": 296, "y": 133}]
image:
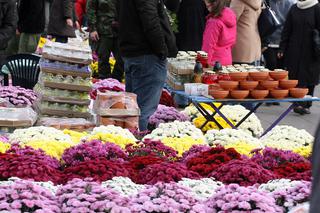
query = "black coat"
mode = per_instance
[
  {"x": 60, "y": 11},
  {"x": 297, "y": 45},
  {"x": 191, "y": 24},
  {"x": 8, "y": 21},
  {"x": 31, "y": 16},
  {"x": 315, "y": 197},
  {"x": 144, "y": 28}
]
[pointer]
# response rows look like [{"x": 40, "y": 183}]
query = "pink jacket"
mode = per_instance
[{"x": 219, "y": 37}]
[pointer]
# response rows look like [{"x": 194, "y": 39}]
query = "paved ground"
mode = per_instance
[{"x": 309, "y": 122}]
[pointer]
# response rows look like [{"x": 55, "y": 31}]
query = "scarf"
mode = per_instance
[{"x": 306, "y": 4}]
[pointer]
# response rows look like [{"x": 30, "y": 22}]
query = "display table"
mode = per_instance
[{"x": 209, "y": 116}]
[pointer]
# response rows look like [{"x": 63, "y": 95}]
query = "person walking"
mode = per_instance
[
  {"x": 31, "y": 24},
  {"x": 62, "y": 20},
  {"x": 248, "y": 45},
  {"x": 220, "y": 33},
  {"x": 271, "y": 44},
  {"x": 297, "y": 47},
  {"x": 191, "y": 23},
  {"x": 103, "y": 26},
  {"x": 146, "y": 40}
]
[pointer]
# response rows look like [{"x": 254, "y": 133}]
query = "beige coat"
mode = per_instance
[{"x": 248, "y": 45}]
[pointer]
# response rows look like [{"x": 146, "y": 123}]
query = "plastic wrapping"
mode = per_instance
[
  {"x": 66, "y": 123},
  {"x": 116, "y": 104},
  {"x": 124, "y": 122},
  {"x": 17, "y": 117},
  {"x": 4, "y": 103}
]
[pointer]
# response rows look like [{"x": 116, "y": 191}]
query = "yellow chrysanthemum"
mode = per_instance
[
  {"x": 181, "y": 144},
  {"x": 242, "y": 147},
  {"x": 304, "y": 151},
  {"x": 4, "y": 147},
  {"x": 198, "y": 122},
  {"x": 116, "y": 139},
  {"x": 75, "y": 136},
  {"x": 52, "y": 148}
]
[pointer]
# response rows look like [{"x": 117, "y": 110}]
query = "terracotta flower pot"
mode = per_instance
[
  {"x": 248, "y": 85},
  {"x": 279, "y": 93},
  {"x": 278, "y": 75},
  {"x": 259, "y": 94},
  {"x": 238, "y": 76},
  {"x": 298, "y": 92},
  {"x": 259, "y": 76},
  {"x": 239, "y": 94},
  {"x": 269, "y": 85},
  {"x": 228, "y": 85},
  {"x": 219, "y": 94},
  {"x": 288, "y": 84}
]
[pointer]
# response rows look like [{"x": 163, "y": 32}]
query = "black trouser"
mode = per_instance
[
  {"x": 271, "y": 59},
  {"x": 311, "y": 92}
]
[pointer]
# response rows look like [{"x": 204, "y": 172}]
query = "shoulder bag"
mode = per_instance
[{"x": 268, "y": 22}]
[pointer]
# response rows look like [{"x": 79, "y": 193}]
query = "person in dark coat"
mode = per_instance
[
  {"x": 146, "y": 40},
  {"x": 191, "y": 23},
  {"x": 296, "y": 47},
  {"x": 62, "y": 20},
  {"x": 31, "y": 24},
  {"x": 315, "y": 195}
]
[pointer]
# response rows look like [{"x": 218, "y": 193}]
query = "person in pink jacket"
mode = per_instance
[{"x": 220, "y": 33}]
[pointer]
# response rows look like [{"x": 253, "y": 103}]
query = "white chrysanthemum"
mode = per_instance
[
  {"x": 203, "y": 188},
  {"x": 123, "y": 185},
  {"x": 230, "y": 136},
  {"x": 287, "y": 137},
  {"x": 40, "y": 133},
  {"x": 176, "y": 129},
  {"x": 274, "y": 185}
]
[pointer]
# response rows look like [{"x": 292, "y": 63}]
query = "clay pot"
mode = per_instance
[
  {"x": 106, "y": 121},
  {"x": 259, "y": 76},
  {"x": 248, "y": 85},
  {"x": 298, "y": 92},
  {"x": 219, "y": 94},
  {"x": 238, "y": 76},
  {"x": 279, "y": 93},
  {"x": 119, "y": 123},
  {"x": 239, "y": 94},
  {"x": 228, "y": 85},
  {"x": 269, "y": 85},
  {"x": 288, "y": 84},
  {"x": 259, "y": 94},
  {"x": 278, "y": 75},
  {"x": 214, "y": 87}
]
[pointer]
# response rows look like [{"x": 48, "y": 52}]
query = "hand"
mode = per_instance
[
  {"x": 69, "y": 22},
  {"x": 94, "y": 36},
  {"x": 280, "y": 55},
  {"x": 264, "y": 49},
  {"x": 17, "y": 32},
  {"x": 77, "y": 25}
]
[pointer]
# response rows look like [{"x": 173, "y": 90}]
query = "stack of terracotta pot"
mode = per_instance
[{"x": 258, "y": 85}]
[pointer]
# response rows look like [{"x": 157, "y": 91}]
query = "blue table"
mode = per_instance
[{"x": 197, "y": 100}]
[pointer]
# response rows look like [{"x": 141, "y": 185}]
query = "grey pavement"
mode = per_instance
[{"x": 268, "y": 114}]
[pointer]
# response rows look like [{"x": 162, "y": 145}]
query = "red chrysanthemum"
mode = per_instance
[{"x": 294, "y": 171}]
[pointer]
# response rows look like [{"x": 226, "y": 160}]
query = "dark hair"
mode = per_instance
[{"x": 218, "y": 6}]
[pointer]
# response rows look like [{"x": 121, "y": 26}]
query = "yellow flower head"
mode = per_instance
[
  {"x": 112, "y": 138},
  {"x": 4, "y": 147},
  {"x": 181, "y": 144},
  {"x": 304, "y": 151},
  {"x": 52, "y": 148},
  {"x": 198, "y": 122},
  {"x": 75, "y": 136},
  {"x": 242, "y": 147}
]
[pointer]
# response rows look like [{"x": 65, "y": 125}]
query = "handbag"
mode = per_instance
[
  {"x": 316, "y": 38},
  {"x": 268, "y": 22}
]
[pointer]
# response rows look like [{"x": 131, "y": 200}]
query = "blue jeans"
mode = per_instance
[{"x": 145, "y": 76}]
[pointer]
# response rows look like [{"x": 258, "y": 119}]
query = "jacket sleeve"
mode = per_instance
[
  {"x": 172, "y": 5},
  {"x": 286, "y": 32},
  {"x": 211, "y": 37},
  {"x": 9, "y": 23},
  {"x": 149, "y": 17},
  {"x": 91, "y": 14},
  {"x": 68, "y": 9},
  {"x": 238, "y": 8}
]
